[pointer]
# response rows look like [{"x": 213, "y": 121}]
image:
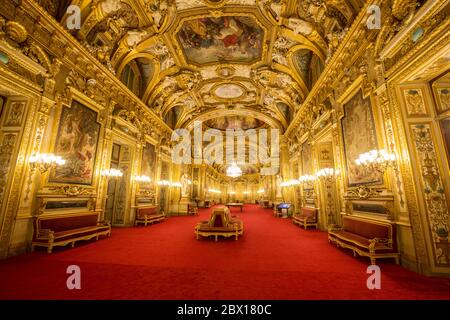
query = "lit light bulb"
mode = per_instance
[{"x": 142, "y": 179}]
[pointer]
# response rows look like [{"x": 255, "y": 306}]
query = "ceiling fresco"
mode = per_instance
[
  {"x": 222, "y": 39},
  {"x": 234, "y": 123}
]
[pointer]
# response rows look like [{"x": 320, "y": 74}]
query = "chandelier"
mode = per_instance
[{"x": 234, "y": 171}]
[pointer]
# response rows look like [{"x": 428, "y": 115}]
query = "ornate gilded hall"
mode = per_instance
[{"x": 275, "y": 146}]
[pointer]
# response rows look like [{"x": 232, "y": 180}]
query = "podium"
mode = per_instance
[{"x": 283, "y": 210}]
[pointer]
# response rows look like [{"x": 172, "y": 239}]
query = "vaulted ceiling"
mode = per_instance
[{"x": 224, "y": 62}]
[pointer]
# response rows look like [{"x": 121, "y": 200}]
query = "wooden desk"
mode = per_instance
[{"x": 239, "y": 205}]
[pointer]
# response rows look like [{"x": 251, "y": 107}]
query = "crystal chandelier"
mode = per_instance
[{"x": 234, "y": 171}]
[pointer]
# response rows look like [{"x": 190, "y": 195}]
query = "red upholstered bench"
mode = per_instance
[
  {"x": 148, "y": 215},
  {"x": 62, "y": 229},
  {"x": 371, "y": 238},
  {"x": 192, "y": 209},
  {"x": 220, "y": 223},
  {"x": 306, "y": 218}
]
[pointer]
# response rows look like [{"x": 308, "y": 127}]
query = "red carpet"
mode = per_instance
[{"x": 273, "y": 260}]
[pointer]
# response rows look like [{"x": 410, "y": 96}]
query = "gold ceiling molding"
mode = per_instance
[
  {"x": 395, "y": 32},
  {"x": 117, "y": 32},
  {"x": 68, "y": 50},
  {"x": 162, "y": 95},
  {"x": 436, "y": 26}
]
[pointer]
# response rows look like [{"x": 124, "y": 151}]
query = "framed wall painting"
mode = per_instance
[{"x": 76, "y": 142}]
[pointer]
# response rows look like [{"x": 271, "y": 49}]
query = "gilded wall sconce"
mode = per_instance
[{"x": 44, "y": 161}]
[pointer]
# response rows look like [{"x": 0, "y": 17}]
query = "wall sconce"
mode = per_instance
[
  {"x": 284, "y": 184},
  {"x": 176, "y": 185},
  {"x": 246, "y": 192},
  {"x": 290, "y": 183},
  {"x": 260, "y": 191},
  {"x": 214, "y": 191},
  {"x": 327, "y": 174},
  {"x": 112, "y": 173},
  {"x": 232, "y": 192},
  {"x": 378, "y": 160},
  {"x": 44, "y": 161},
  {"x": 164, "y": 183},
  {"x": 307, "y": 178},
  {"x": 142, "y": 179}
]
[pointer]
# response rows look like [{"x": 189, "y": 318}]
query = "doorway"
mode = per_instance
[{"x": 116, "y": 208}]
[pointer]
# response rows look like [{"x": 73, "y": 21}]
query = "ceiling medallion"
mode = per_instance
[
  {"x": 225, "y": 72},
  {"x": 228, "y": 91},
  {"x": 214, "y": 3}
]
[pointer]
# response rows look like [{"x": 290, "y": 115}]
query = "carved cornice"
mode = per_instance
[
  {"x": 69, "y": 191},
  {"x": 426, "y": 12},
  {"x": 415, "y": 50},
  {"x": 363, "y": 192}
]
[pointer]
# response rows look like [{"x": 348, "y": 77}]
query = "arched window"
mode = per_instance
[
  {"x": 316, "y": 69},
  {"x": 309, "y": 66},
  {"x": 128, "y": 77},
  {"x": 131, "y": 77}
]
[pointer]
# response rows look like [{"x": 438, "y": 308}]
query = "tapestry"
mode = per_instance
[
  {"x": 76, "y": 143},
  {"x": 149, "y": 161},
  {"x": 358, "y": 127},
  {"x": 163, "y": 190},
  {"x": 307, "y": 165}
]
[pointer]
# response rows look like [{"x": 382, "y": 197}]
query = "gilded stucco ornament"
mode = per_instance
[{"x": 16, "y": 32}]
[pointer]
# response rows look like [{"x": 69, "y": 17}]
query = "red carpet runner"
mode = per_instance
[{"x": 273, "y": 260}]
